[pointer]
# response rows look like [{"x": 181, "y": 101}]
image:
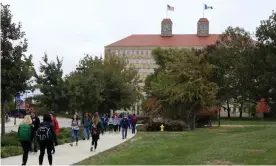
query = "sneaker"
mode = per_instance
[
  {"x": 71, "y": 144},
  {"x": 91, "y": 149},
  {"x": 76, "y": 143},
  {"x": 123, "y": 137}
]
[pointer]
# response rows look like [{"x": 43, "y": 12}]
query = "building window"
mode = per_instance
[
  {"x": 134, "y": 52},
  {"x": 149, "y": 51}
]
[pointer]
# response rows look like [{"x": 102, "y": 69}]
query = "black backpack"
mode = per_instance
[
  {"x": 44, "y": 133},
  {"x": 125, "y": 123}
]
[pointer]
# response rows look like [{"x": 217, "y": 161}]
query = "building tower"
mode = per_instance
[
  {"x": 166, "y": 27},
  {"x": 203, "y": 27}
]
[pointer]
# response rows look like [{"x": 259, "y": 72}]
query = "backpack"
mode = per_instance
[
  {"x": 94, "y": 130},
  {"x": 133, "y": 120},
  {"x": 44, "y": 133},
  {"x": 24, "y": 132},
  {"x": 125, "y": 123}
]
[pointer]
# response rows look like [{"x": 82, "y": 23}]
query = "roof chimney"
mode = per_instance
[
  {"x": 203, "y": 27},
  {"x": 166, "y": 27}
]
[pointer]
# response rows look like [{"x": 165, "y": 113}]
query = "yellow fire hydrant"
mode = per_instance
[{"x": 162, "y": 127}]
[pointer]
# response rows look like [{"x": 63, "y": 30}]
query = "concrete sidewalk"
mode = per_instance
[{"x": 67, "y": 155}]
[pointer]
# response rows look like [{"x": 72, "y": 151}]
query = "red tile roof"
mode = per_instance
[
  {"x": 166, "y": 20},
  {"x": 157, "y": 40},
  {"x": 203, "y": 20}
]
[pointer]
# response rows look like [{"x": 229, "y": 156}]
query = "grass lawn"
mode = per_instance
[
  {"x": 213, "y": 146},
  {"x": 246, "y": 122}
]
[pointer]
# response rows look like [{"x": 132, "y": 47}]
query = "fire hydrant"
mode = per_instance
[{"x": 162, "y": 127}]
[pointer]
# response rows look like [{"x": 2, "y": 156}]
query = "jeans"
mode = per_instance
[
  {"x": 26, "y": 147},
  {"x": 86, "y": 132},
  {"x": 133, "y": 127},
  {"x": 75, "y": 134},
  {"x": 95, "y": 140},
  {"x": 46, "y": 145},
  {"x": 34, "y": 140},
  {"x": 124, "y": 132}
]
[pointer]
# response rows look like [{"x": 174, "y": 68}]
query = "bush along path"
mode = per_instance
[{"x": 67, "y": 155}]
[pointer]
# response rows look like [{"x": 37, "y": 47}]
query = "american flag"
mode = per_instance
[{"x": 170, "y": 8}]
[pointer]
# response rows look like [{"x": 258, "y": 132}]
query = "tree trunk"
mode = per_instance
[
  {"x": 3, "y": 118},
  {"x": 241, "y": 109},
  {"x": 193, "y": 121},
  {"x": 228, "y": 108}
]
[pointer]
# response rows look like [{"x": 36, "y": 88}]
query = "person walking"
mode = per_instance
[
  {"x": 133, "y": 123},
  {"x": 110, "y": 124},
  {"x": 35, "y": 125},
  {"x": 25, "y": 136},
  {"x": 56, "y": 127},
  {"x": 96, "y": 129},
  {"x": 46, "y": 135},
  {"x": 86, "y": 122},
  {"x": 124, "y": 125},
  {"x": 75, "y": 129}
]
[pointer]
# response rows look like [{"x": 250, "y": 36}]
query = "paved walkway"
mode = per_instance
[{"x": 67, "y": 155}]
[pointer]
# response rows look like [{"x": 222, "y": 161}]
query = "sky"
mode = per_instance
[{"x": 71, "y": 29}]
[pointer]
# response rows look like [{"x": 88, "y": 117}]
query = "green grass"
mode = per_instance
[
  {"x": 10, "y": 145},
  {"x": 213, "y": 146},
  {"x": 246, "y": 122}
]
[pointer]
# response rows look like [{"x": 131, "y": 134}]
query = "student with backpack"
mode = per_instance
[
  {"x": 56, "y": 127},
  {"x": 133, "y": 123},
  {"x": 25, "y": 136},
  {"x": 75, "y": 129},
  {"x": 35, "y": 125},
  {"x": 96, "y": 129},
  {"x": 124, "y": 126},
  {"x": 46, "y": 135}
]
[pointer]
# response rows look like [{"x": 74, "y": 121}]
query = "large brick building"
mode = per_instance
[{"x": 136, "y": 48}]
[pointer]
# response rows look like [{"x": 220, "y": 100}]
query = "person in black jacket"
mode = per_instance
[
  {"x": 35, "y": 125},
  {"x": 46, "y": 139}
]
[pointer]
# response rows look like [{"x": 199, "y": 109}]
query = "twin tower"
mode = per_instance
[{"x": 202, "y": 27}]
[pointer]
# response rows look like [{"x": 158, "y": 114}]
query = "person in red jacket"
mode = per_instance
[{"x": 56, "y": 127}]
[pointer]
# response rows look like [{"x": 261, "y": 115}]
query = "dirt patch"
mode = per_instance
[
  {"x": 135, "y": 139},
  {"x": 219, "y": 162}
]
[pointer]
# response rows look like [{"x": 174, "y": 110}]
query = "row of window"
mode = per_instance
[
  {"x": 145, "y": 70},
  {"x": 142, "y": 61},
  {"x": 131, "y": 52}
]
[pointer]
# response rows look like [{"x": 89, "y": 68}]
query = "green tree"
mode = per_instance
[
  {"x": 264, "y": 68},
  {"x": 231, "y": 56},
  {"x": 102, "y": 85},
  {"x": 16, "y": 67},
  {"x": 182, "y": 83},
  {"x": 51, "y": 85}
]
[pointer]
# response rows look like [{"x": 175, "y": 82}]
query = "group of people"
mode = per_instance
[
  {"x": 32, "y": 131},
  {"x": 96, "y": 125}
]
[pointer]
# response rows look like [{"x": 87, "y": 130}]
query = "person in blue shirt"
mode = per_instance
[{"x": 124, "y": 125}]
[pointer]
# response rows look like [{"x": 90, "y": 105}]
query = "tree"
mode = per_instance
[
  {"x": 264, "y": 68},
  {"x": 16, "y": 67},
  {"x": 231, "y": 56},
  {"x": 181, "y": 83},
  {"x": 102, "y": 85},
  {"x": 51, "y": 85}
]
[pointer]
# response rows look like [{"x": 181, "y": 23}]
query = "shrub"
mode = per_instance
[
  {"x": 8, "y": 151},
  {"x": 170, "y": 125},
  {"x": 142, "y": 119},
  {"x": 141, "y": 127}
]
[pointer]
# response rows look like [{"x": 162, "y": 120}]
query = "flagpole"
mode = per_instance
[{"x": 203, "y": 10}]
